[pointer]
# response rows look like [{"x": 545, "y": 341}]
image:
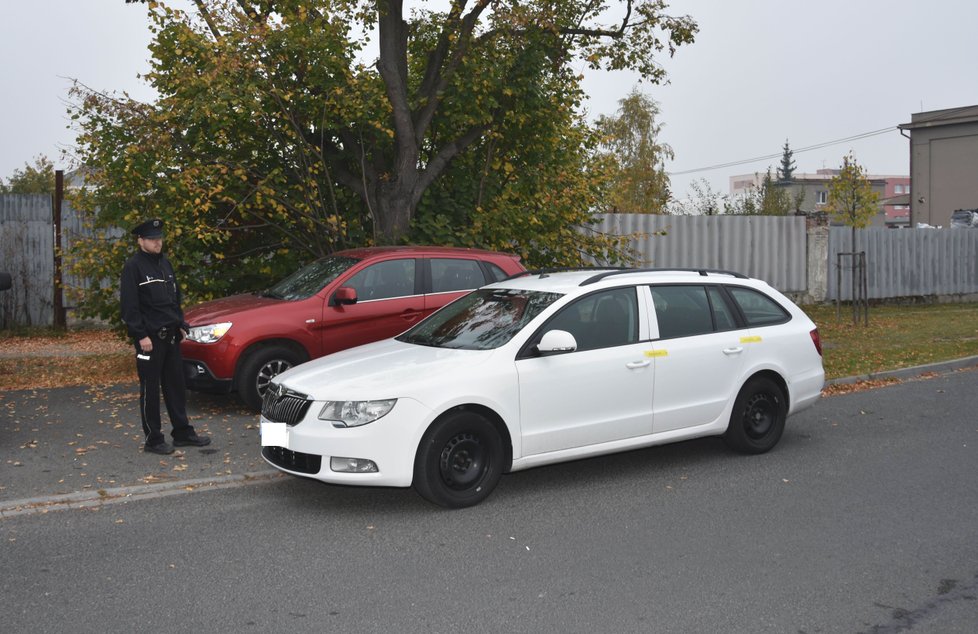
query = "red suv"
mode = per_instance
[{"x": 343, "y": 300}]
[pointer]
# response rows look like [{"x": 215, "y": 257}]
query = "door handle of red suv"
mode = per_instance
[{"x": 410, "y": 315}]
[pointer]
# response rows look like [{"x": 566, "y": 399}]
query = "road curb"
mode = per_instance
[
  {"x": 942, "y": 367},
  {"x": 103, "y": 497}
]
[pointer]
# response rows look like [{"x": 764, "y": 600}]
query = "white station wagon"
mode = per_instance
[{"x": 545, "y": 368}]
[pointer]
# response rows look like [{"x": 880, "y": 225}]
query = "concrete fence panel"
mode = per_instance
[
  {"x": 906, "y": 263},
  {"x": 769, "y": 248}
]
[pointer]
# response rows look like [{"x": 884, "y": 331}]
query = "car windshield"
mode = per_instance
[
  {"x": 482, "y": 320},
  {"x": 310, "y": 279}
]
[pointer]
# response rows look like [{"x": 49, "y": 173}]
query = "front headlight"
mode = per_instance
[
  {"x": 355, "y": 413},
  {"x": 210, "y": 333}
]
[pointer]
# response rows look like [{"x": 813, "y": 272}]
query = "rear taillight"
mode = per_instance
[{"x": 816, "y": 340}]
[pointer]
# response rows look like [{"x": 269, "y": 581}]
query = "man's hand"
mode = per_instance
[{"x": 146, "y": 344}]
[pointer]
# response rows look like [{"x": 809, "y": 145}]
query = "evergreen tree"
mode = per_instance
[{"x": 787, "y": 168}]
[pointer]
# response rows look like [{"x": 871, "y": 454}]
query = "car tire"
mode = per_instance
[
  {"x": 758, "y": 416},
  {"x": 459, "y": 461},
  {"x": 259, "y": 369}
]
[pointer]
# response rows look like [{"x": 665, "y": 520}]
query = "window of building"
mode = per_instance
[{"x": 821, "y": 197}]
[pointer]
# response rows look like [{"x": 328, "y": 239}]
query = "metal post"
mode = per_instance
[
  {"x": 60, "y": 320},
  {"x": 838, "y": 286},
  {"x": 862, "y": 262}
]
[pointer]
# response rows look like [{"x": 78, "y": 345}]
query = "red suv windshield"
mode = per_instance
[{"x": 310, "y": 279}]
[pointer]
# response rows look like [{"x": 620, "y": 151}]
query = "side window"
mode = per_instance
[
  {"x": 455, "y": 275},
  {"x": 722, "y": 314},
  {"x": 495, "y": 273},
  {"x": 384, "y": 280},
  {"x": 682, "y": 311},
  {"x": 602, "y": 320},
  {"x": 758, "y": 308}
]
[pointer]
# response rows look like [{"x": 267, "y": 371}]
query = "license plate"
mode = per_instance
[{"x": 274, "y": 434}]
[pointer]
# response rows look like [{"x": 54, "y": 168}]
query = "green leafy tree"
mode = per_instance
[
  {"x": 33, "y": 179},
  {"x": 768, "y": 199},
  {"x": 275, "y": 139},
  {"x": 787, "y": 168},
  {"x": 630, "y": 144},
  {"x": 851, "y": 199}
]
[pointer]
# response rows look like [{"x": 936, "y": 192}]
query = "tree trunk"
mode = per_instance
[{"x": 392, "y": 214}]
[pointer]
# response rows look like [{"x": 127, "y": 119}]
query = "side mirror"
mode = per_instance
[
  {"x": 4, "y": 281},
  {"x": 556, "y": 342},
  {"x": 345, "y": 296}
]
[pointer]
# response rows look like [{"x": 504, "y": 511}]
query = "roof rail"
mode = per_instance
[{"x": 704, "y": 272}]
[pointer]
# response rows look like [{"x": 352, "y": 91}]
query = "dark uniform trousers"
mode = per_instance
[{"x": 163, "y": 366}]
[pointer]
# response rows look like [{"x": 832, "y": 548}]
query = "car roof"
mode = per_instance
[
  {"x": 581, "y": 280},
  {"x": 366, "y": 252}
]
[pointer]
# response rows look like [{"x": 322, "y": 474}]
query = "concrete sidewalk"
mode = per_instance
[{"x": 85, "y": 443}]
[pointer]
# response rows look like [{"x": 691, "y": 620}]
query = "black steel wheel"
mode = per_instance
[
  {"x": 758, "y": 417},
  {"x": 459, "y": 460}
]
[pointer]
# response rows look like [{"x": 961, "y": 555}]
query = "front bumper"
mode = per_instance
[
  {"x": 390, "y": 442},
  {"x": 199, "y": 378}
]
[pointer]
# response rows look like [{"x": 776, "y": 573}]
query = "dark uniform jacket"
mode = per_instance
[{"x": 150, "y": 296}]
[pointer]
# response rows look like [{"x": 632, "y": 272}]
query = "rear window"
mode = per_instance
[
  {"x": 758, "y": 308},
  {"x": 497, "y": 274}
]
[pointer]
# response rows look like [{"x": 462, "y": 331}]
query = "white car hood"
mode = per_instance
[{"x": 385, "y": 369}]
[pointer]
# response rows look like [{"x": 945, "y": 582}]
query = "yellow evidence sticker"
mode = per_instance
[
  {"x": 750, "y": 340},
  {"x": 656, "y": 353}
]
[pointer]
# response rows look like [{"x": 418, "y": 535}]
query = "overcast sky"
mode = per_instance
[{"x": 760, "y": 72}]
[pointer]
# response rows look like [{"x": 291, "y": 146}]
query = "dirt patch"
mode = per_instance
[{"x": 71, "y": 344}]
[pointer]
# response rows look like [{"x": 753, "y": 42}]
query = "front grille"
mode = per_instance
[
  {"x": 293, "y": 460},
  {"x": 281, "y": 405}
]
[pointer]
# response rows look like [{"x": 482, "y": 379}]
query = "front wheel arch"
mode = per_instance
[
  {"x": 498, "y": 422},
  {"x": 461, "y": 456}
]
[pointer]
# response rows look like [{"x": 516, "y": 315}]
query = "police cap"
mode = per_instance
[{"x": 149, "y": 229}]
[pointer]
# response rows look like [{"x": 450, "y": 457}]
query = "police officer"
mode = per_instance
[{"x": 151, "y": 310}]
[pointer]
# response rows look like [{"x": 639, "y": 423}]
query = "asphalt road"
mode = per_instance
[{"x": 863, "y": 519}]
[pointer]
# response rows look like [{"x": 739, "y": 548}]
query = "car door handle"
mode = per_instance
[
  {"x": 634, "y": 365},
  {"x": 410, "y": 315},
  {"x": 737, "y": 350}
]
